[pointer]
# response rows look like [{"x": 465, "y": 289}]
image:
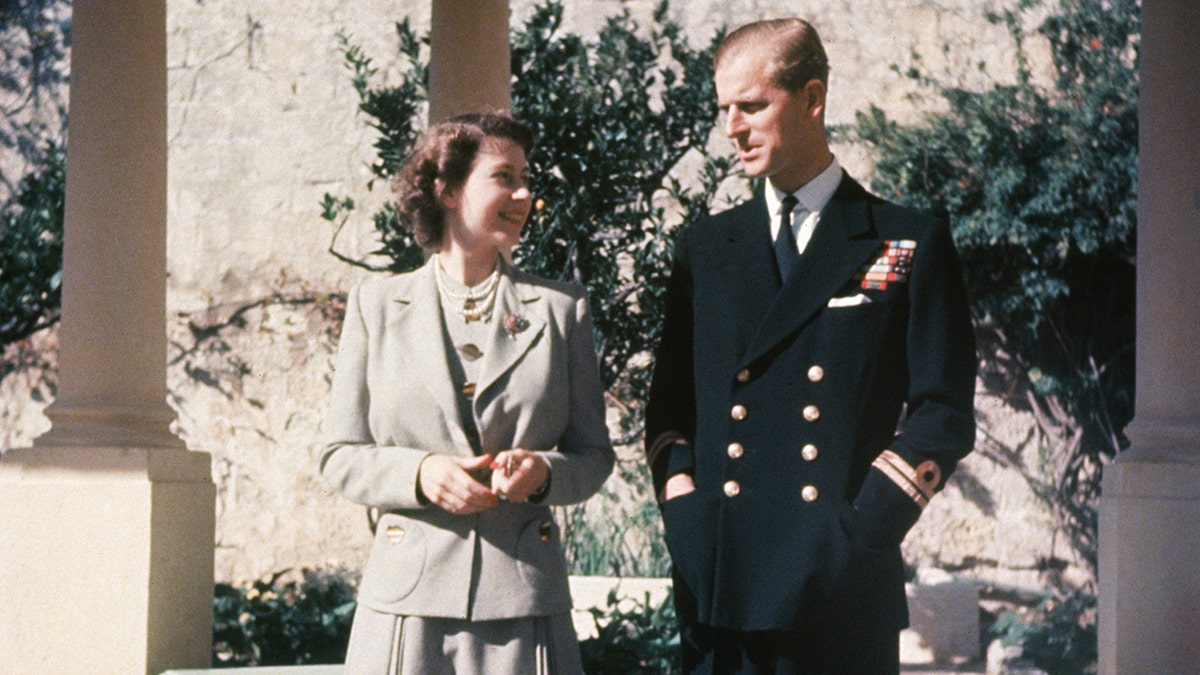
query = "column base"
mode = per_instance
[
  {"x": 1149, "y": 576},
  {"x": 107, "y": 560},
  {"x": 90, "y": 424}
]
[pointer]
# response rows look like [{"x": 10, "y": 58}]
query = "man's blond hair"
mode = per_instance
[{"x": 798, "y": 54}]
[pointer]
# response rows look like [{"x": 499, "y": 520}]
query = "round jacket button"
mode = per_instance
[
  {"x": 812, "y": 413},
  {"x": 809, "y": 493},
  {"x": 816, "y": 374},
  {"x": 735, "y": 450},
  {"x": 743, "y": 375},
  {"x": 732, "y": 488},
  {"x": 809, "y": 452},
  {"x": 738, "y": 412}
]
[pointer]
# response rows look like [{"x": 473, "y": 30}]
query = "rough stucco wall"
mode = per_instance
[{"x": 263, "y": 123}]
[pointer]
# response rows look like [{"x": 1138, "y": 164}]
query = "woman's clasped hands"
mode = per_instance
[{"x": 450, "y": 482}]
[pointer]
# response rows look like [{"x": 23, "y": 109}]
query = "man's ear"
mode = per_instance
[{"x": 814, "y": 97}]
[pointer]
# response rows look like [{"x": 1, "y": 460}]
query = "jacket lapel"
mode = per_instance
[
  {"x": 747, "y": 278},
  {"x": 517, "y": 323},
  {"x": 417, "y": 328},
  {"x": 841, "y": 244}
]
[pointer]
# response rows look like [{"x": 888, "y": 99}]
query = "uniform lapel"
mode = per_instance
[
  {"x": 417, "y": 327},
  {"x": 517, "y": 322},
  {"x": 840, "y": 246},
  {"x": 748, "y": 280},
  {"x": 752, "y": 240}
]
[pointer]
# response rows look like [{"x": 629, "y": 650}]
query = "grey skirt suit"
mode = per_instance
[{"x": 393, "y": 403}]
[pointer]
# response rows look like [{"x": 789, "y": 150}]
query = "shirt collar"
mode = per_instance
[{"x": 813, "y": 195}]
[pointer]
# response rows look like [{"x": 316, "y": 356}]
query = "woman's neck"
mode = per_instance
[{"x": 469, "y": 270}]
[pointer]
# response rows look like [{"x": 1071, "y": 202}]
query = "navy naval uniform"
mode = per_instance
[{"x": 817, "y": 418}]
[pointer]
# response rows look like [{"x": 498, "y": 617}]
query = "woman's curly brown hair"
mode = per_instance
[{"x": 446, "y": 153}]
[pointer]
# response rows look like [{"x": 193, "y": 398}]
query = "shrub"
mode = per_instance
[
  {"x": 1040, "y": 187},
  {"x": 1059, "y": 636},
  {"x": 276, "y": 622},
  {"x": 633, "y": 637}
]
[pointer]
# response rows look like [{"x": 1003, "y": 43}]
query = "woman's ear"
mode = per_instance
[{"x": 447, "y": 197}]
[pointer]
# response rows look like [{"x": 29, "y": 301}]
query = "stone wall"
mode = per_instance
[{"x": 263, "y": 124}]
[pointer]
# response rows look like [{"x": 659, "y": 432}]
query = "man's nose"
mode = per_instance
[
  {"x": 522, "y": 194},
  {"x": 735, "y": 123}
]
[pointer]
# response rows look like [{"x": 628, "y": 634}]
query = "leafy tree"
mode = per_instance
[
  {"x": 1040, "y": 186},
  {"x": 34, "y": 38},
  {"x": 31, "y": 251},
  {"x": 613, "y": 118}
]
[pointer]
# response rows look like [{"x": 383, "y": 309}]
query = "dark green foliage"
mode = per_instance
[
  {"x": 633, "y": 640},
  {"x": 1040, "y": 186},
  {"x": 1058, "y": 637},
  {"x": 613, "y": 118},
  {"x": 34, "y": 37},
  {"x": 276, "y": 623},
  {"x": 31, "y": 240}
]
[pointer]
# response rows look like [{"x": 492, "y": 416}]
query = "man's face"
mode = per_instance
[{"x": 774, "y": 131}]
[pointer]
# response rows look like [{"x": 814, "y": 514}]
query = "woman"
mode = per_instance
[{"x": 466, "y": 401}]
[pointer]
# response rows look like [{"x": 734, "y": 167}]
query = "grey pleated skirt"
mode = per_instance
[{"x": 386, "y": 644}]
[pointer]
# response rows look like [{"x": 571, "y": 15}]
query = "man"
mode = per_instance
[{"x": 812, "y": 391}]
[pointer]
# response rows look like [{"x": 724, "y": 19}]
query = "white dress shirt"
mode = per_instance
[{"x": 812, "y": 196}]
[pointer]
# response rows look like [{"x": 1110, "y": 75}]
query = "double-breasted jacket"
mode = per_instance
[{"x": 816, "y": 417}]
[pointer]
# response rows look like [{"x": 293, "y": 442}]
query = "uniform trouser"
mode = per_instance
[{"x": 810, "y": 651}]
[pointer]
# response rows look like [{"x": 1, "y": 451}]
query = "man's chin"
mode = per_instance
[{"x": 753, "y": 167}]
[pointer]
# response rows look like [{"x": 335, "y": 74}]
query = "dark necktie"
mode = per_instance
[{"x": 786, "y": 255}]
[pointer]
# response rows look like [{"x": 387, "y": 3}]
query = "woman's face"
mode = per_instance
[{"x": 487, "y": 213}]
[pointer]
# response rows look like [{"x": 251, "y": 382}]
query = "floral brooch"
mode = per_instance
[{"x": 515, "y": 323}]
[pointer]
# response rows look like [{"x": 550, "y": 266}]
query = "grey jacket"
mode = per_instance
[{"x": 393, "y": 403}]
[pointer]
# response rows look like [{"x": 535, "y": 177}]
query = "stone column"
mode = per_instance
[
  {"x": 106, "y": 525},
  {"x": 469, "y": 57},
  {"x": 1150, "y": 509}
]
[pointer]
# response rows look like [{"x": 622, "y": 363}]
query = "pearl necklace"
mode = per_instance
[{"x": 475, "y": 304}]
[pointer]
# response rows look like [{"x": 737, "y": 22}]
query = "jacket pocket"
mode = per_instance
[
  {"x": 540, "y": 558},
  {"x": 869, "y": 582},
  {"x": 396, "y": 562},
  {"x": 689, "y": 528}
]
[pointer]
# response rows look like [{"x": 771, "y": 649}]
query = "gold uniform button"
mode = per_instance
[
  {"x": 816, "y": 374},
  {"x": 738, "y": 412},
  {"x": 809, "y": 452},
  {"x": 732, "y": 488},
  {"x": 735, "y": 450},
  {"x": 743, "y": 375},
  {"x": 812, "y": 413},
  {"x": 809, "y": 493}
]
